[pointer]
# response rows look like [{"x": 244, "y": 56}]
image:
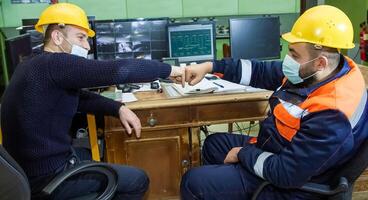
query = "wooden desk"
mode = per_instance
[{"x": 170, "y": 142}]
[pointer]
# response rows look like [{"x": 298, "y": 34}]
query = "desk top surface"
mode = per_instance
[
  {"x": 148, "y": 100},
  {"x": 160, "y": 100}
]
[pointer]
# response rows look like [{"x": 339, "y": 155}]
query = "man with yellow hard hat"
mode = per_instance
[
  {"x": 45, "y": 93},
  {"x": 316, "y": 122}
]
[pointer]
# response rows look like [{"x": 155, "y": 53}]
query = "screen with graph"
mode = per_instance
[{"x": 192, "y": 42}]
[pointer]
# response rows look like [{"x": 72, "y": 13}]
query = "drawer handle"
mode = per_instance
[
  {"x": 152, "y": 121},
  {"x": 185, "y": 163}
]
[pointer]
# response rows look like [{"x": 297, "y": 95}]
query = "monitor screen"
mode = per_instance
[
  {"x": 17, "y": 48},
  {"x": 192, "y": 42},
  {"x": 255, "y": 38},
  {"x": 136, "y": 38}
]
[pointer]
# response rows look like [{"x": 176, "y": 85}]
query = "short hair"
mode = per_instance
[
  {"x": 332, "y": 54},
  {"x": 50, "y": 28}
]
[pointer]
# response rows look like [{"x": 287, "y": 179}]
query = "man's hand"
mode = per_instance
[
  {"x": 195, "y": 73},
  {"x": 128, "y": 119},
  {"x": 232, "y": 156},
  {"x": 178, "y": 75}
]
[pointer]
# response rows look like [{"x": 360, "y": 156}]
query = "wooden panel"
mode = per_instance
[
  {"x": 232, "y": 111},
  {"x": 195, "y": 8},
  {"x": 163, "y": 155},
  {"x": 195, "y": 149},
  {"x": 168, "y": 144},
  {"x": 247, "y": 7},
  {"x": 163, "y": 117},
  {"x": 149, "y": 100},
  {"x": 156, "y": 8}
]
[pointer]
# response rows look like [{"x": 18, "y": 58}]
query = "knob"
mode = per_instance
[
  {"x": 184, "y": 163},
  {"x": 152, "y": 121}
]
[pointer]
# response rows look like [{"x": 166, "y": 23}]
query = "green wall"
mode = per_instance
[
  {"x": 12, "y": 14},
  {"x": 120, "y": 9},
  {"x": 356, "y": 11},
  {"x": 102, "y": 9}
]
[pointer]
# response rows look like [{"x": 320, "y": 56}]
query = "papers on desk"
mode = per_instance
[
  {"x": 117, "y": 95},
  {"x": 207, "y": 86},
  {"x": 128, "y": 97}
]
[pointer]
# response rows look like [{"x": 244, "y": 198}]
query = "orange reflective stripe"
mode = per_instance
[
  {"x": 319, "y": 103},
  {"x": 252, "y": 140},
  {"x": 285, "y": 131},
  {"x": 343, "y": 94},
  {"x": 286, "y": 124},
  {"x": 283, "y": 115},
  {"x": 284, "y": 80}
]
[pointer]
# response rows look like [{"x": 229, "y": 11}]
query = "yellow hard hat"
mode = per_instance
[
  {"x": 64, "y": 13},
  {"x": 323, "y": 25}
]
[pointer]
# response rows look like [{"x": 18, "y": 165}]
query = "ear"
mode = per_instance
[
  {"x": 321, "y": 63},
  {"x": 55, "y": 36}
]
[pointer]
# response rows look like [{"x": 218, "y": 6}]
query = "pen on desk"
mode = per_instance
[{"x": 218, "y": 84}]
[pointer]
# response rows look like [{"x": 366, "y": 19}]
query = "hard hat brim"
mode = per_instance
[
  {"x": 290, "y": 38},
  {"x": 90, "y": 33}
]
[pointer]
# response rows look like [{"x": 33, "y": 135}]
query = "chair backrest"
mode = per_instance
[
  {"x": 354, "y": 167},
  {"x": 13, "y": 181}
]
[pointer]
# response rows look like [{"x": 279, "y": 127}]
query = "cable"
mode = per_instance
[{"x": 356, "y": 54}]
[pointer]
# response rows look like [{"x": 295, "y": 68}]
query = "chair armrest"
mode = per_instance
[
  {"x": 343, "y": 186},
  {"x": 95, "y": 167},
  {"x": 321, "y": 189}
]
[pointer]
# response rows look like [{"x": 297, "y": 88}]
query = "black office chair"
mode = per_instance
[
  {"x": 14, "y": 183},
  {"x": 342, "y": 182}
]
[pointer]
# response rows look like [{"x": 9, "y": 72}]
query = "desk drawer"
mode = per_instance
[
  {"x": 231, "y": 111},
  {"x": 164, "y": 116},
  {"x": 161, "y": 117}
]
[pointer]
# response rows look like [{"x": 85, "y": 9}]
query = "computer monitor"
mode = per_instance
[
  {"x": 192, "y": 42},
  {"x": 132, "y": 38},
  {"x": 255, "y": 38},
  {"x": 28, "y": 24},
  {"x": 17, "y": 48},
  {"x": 36, "y": 37}
]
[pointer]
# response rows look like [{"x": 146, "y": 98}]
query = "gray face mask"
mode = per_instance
[{"x": 76, "y": 49}]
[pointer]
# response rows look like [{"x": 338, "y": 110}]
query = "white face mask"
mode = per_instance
[
  {"x": 76, "y": 49},
  {"x": 79, "y": 51},
  {"x": 291, "y": 68}
]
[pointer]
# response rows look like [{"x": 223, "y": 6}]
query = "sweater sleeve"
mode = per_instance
[
  {"x": 90, "y": 102},
  {"x": 74, "y": 72},
  {"x": 323, "y": 140}
]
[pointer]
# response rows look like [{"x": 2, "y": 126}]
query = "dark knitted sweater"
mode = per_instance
[{"x": 44, "y": 94}]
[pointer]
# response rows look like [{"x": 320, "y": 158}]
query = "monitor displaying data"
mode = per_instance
[
  {"x": 255, "y": 38},
  {"x": 192, "y": 42}
]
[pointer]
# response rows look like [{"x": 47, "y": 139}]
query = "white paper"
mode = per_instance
[
  {"x": 204, "y": 86},
  {"x": 128, "y": 97}
]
